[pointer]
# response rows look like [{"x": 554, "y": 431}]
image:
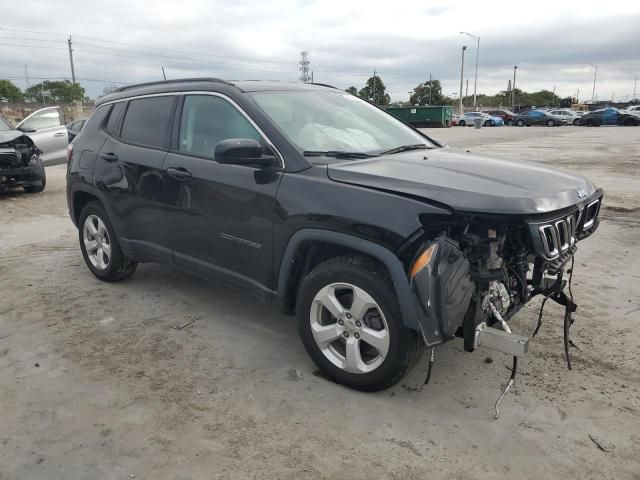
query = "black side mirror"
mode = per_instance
[
  {"x": 26, "y": 129},
  {"x": 242, "y": 151}
]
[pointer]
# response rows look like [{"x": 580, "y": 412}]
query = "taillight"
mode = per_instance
[{"x": 69, "y": 152}]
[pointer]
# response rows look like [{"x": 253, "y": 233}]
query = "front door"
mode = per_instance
[{"x": 220, "y": 216}]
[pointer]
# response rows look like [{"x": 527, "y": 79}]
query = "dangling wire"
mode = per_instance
[{"x": 539, "y": 324}]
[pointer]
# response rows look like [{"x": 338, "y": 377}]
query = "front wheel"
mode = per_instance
[
  {"x": 100, "y": 247},
  {"x": 576, "y": 122},
  {"x": 520, "y": 123},
  {"x": 462, "y": 123},
  {"x": 510, "y": 123},
  {"x": 350, "y": 324},
  {"x": 488, "y": 123},
  {"x": 551, "y": 123}
]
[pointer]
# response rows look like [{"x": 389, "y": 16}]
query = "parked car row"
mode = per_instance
[{"x": 552, "y": 118}]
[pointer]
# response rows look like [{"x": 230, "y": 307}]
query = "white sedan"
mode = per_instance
[
  {"x": 467, "y": 119},
  {"x": 570, "y": 116}
]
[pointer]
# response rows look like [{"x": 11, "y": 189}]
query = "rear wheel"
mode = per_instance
[
  {"x": 520, "y": 123},
  {"x": 462, "y": 123},
  {"x": 510, "y": 123},
  {"x": 576, "y": 122},
  {"x": 350, "y": 324},
  {"x": 551, "y": 123},
  {"x": 630, "y": 122},
  {"x": 100, "y": 247},
  {"x": 488, "y": 123}
]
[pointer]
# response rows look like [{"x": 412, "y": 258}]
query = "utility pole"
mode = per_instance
[
  {"x": 44, "y": 102},
  {"x": 73, "y": 70},
  {"x": 460, "y": 107},
  {"x": 553, "y": 96},
  {"x": 475, "y": 82},
  {"x": 163, "y": 74},
  {"x": 26, "y": 75},
  {"x": 431, "y": 89},
  {"x": 466, "y": 90},
  {"x": 304, "y": 67},
  {"x": 374, "y": 86},
  {"x": 513, "y": 91},
  {"x": 635, "y": 84},
  {"x": 595, "y": 75},
  {"x": 311, "y": 76}
]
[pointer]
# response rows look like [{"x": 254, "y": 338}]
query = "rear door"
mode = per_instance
[
  {"x": 129, "y": 168},
  {"x": 50, "y": 134},
  {"x": 220, "y": 216}
]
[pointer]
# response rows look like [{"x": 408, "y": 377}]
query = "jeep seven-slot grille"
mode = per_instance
[{"x": 558, "y": 236}]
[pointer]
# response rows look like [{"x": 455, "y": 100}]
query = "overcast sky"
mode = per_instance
[{"x": 552, "y": 42}]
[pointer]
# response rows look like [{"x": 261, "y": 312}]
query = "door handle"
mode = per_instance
[
  {"x": 109, "y": 157},
  {"x": 61, "y": 134},
  {"x": 179, "y": 173}
]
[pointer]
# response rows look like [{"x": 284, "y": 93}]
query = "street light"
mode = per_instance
[
  {"x": 460, "y": 107},
  {"x": 475, "y": 82},
  {"x": 595, "y": 74},
  {"x": 513, "y": 88}
]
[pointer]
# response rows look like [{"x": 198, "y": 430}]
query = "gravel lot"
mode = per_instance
[{"x": 95, "y": 383}]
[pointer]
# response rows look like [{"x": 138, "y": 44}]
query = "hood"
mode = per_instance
[
  {"x": 10, "y": 135},
  {"x": 467, "y": 182}
]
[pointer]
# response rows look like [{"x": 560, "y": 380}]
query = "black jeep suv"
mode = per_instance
[{"x": 381, "y": 240}]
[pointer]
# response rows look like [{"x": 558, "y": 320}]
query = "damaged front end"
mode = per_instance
[
  {"x": 20, "y": 164},
  {"x": 478, "y": 271}
]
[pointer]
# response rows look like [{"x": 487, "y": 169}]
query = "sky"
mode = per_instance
[{"x": 553, "y": 43}]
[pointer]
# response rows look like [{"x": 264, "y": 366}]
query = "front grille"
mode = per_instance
[
  {"x": 553, "y": 239},
  {"x": 558, "y": 236},
  {"x": 9, "y": 159}
]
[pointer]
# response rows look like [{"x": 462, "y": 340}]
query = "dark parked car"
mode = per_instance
[
  {"x": 538, "y": 117},
  {"x": 20, "y": 161},
  {"x": 610, "y": 116},
  {"x": 380, "y": 240},
  {"x": 506, "y": 115},
  {"x": 73, "y": 128}
]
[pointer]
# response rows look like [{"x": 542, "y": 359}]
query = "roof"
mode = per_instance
[{"x": 207, "y": 84}]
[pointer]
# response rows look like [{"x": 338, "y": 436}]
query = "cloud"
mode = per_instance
[{"x": 405, "y": 41}]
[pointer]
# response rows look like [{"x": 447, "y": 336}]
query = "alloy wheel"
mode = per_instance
[
  {"x": 349, "y": 328},
  {"x": 97, "y": 243}
]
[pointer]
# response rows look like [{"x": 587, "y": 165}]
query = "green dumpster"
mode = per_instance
[{"x": 423, "y": 116}]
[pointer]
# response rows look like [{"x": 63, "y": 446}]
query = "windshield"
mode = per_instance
[
  {"x": 324, "y": 121},
  {"x": 4, "y": 125}
]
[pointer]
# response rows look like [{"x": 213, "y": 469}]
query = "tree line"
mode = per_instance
[
  {"x": 48, "y": 91},
  {"x": 430, "y": 93}
]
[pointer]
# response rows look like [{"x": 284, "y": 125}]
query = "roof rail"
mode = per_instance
[
  {"x": 175, "y": 80},
  {"x": 323, "y": 85}
]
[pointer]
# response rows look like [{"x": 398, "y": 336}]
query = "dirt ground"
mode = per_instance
[{"x": 96, "y": 384}]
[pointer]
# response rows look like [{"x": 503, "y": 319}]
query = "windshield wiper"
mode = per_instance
[
  {"x": 336, "y": 154},
  {"x": 406, "y": 148}
]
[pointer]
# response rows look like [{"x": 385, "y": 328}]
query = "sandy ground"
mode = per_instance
[{"x": 95, "y": 383}]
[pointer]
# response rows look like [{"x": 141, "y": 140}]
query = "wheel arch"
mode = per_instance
[{"x": 309, "y": 247}]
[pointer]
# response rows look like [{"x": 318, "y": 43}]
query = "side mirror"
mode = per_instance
[
  {"x": 26, "y": 129},
  {"x": 242, "y": 151}
]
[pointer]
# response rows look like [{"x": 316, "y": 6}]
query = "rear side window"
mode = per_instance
[
  {"x": 114, "y": 116},
  {"x": 96, "y": 118},
  {"x": 146, "y": 121},
  {"x": 207, "y": 120}
]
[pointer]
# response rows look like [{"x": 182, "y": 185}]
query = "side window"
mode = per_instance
[
  {"x": 207, "y": 120},
  {"x": 146, "y": 121},
  {"x": 114, "y": 116},
  {"x": 46, "y": 119},
  {"x": 97, "y": 118}
]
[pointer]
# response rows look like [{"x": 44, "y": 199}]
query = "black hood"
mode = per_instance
[{"x": 467, "y": 182}]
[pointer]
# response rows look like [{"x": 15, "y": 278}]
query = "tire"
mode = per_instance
[
  {"x": 589, "y": 123},
  {"x": 38, "y": 188},
  {"x": 551, "y": 123},
  {"x": 630, "y": 122},
  {"x": 510, "y": 123},
  {"x": 576, "y": 122},
  {"x": 462, "y": 123},
  {"x": 343, "y": 279},
  {"x": 488, "y": 123},
  {"x": 109, "y": 267},
  {"x": 520, "y": 123}
]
